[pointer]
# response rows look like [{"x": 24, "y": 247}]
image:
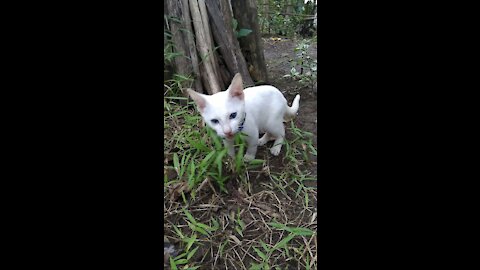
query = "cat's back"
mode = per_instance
[
  {"x": 268, "y": 93},
  {"x": 264, "y": 102}
]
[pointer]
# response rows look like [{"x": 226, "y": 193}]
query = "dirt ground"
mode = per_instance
[{"x": 277, "y": 56}]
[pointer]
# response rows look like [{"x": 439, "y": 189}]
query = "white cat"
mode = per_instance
[{"x": 255, "y": 110}]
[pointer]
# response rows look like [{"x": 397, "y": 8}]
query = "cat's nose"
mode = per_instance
[{"x": 227, "y": 130}]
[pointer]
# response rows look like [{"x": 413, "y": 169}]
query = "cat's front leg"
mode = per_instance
[
  {"x": 252, "y": 148},
  {"x": 229, "y": 145}
]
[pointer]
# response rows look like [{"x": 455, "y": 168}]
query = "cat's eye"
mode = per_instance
[
  {"x": 215, "y": 121},
  {"x": 233, "y": 115}
]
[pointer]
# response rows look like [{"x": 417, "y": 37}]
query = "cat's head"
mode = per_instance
[{"x": 224, "y": 111}]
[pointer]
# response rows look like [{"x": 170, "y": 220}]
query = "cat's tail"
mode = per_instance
[{"x": 291, "y": 112}]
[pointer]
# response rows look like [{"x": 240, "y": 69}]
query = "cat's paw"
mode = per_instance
[
  {"x": 262, "y": 141},
  {"x": 248, "y": 158},
  {"x": 276, "y": 150}
]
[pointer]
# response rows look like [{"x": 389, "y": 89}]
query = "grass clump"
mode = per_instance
[{"x": 221, "y": 212}]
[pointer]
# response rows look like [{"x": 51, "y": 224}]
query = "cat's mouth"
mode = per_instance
[{"x": 240, "y": 128}]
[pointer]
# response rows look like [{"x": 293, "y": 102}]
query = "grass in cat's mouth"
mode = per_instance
[{"x": 267, "y": 217}]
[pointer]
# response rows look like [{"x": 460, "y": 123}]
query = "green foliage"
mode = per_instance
[
  {"x": 283, "y": 244},
  {"x": 242, "y": 32},
  {"x": 190, "y": 241},
  {"x": 285, "y": 17},
  {"x": 168, "y": 46},
  {"x": 200, "y": 153},
  {"x": 187, "y": 254},
  {"x": 304, "y": 68}
]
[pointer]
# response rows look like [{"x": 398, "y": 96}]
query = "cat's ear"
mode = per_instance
[
  {"x": 236, "y": 87},
  {"x": 199, "y": 100}
]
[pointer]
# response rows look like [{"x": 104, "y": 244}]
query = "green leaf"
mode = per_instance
[
  {"x": 184, "y": 161},
  {"x": 191, "y": 253},
  {"x": 278, "y": 225},
  {"x": 179, "y": 233},
  {"x": 180, "y": 256},
  {"x": 222, "y": 246},
  {"x": 190, "y": 242},
  {"x": 256, "y": 162},
  {"x": 301, "y": 231},
  {"x": 215, "y": 224},
  {"x": 261, "y": 254},
  {"x": 264, "y": 246},
  {"x": 191, "y": 183},
  {"x": 200, "y": 230},
  {"x": 218, "y": 160},
  {"x": 243, "y": 32},
  {"x": 204, "y": 226},
  {"x": 189, "y": 216},
  {"x": 239, "y": 230},
  {"x": 206, "y": 160},
  {"x": 173, "y": 266},
  {"x": 193, "y": 227},
  {"x": 254, "y": 266},
  {"x": 199, "y": 146},
  {"x": 181, "y": 261},
  {"x": 296, "y": 230},
  {"x": 176, "y": 164},
  {"x": 242, "y": 224},
  {"x": 284, "y": 241}
]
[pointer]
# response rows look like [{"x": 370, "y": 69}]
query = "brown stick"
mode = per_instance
[
  {"x": 251, "y": 45},
  {"x": 191, "y": 46},
  {"x": 226, "y": 40},
  {"x": 182, "y": 64},
  {"x": 203, "y": 47},
  {"x": 209, "y": 41}
]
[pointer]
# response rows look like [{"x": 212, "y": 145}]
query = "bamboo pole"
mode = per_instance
[
  {"x": 191, "y": 46},
  {"x": 226, "y": 40},
  {"x": 209, "y": 78},
  {"x": 209, "y": 41}
]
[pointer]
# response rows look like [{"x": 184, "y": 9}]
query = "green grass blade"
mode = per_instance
[
  {"x": 261, "y": 254},
  {"x": 191, "y": 253}
]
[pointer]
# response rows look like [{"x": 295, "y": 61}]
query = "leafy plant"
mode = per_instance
[
  {"x": 242, "y": 32},
  {"x": 283, "y": 244},
  {"x": 285, "y": 17},
  {"x": 304, "y": 68},
  {"x": 184, "y": 257}
]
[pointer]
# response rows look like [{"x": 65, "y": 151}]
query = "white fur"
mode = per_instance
[{"x": 265, "y": 107}]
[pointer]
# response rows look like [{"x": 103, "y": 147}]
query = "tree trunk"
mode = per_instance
[
  {"x": 197, "y": 27},
  {"x": 288, "y": 9},
  {"x": 265, "y": 14},
  {"x": 225, "y": 38},
  {"x": 209, "y": 41},
  {"x": 246, "y": 14},
  {"x": 210, "y": 81},
  {"x": 181, "y": 63},
  {"x": 191, "y": 46}
]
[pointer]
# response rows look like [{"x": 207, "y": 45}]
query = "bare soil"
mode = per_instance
[{"x": 278, "y": 54}]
